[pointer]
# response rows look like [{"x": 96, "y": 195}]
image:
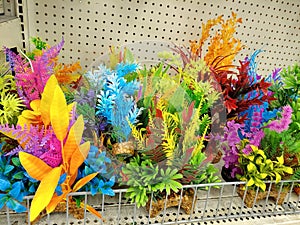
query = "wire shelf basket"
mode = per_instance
[{"x": 211, "y": 202}]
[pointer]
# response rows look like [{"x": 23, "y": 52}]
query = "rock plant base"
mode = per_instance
[
  {"x": 123, "y": 148},
  {"x": 74, "y": 210},
  {"x": 297, "y": 190},
  {"x": 250, "y": 196},
  {"x": 173, "y": 200}
]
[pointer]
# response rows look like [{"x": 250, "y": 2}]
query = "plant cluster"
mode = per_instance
[
  {"x": 271, "y": 126},
  {"x": 150, "y": 129}
]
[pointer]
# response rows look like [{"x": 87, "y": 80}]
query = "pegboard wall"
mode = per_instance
[
  {"x": 89, "y": 27},
  {"x": 9, "y": 8}
]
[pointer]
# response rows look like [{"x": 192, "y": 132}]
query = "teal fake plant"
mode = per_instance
[
  {"x": 15, "y": 183},
  {"x": 115, "y": 100}
]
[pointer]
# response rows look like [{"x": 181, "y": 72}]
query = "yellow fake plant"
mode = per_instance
[{"x": 52, "y": 110}]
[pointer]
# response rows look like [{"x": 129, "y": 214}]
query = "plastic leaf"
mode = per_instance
[
  {"x": 14, "y": 205},
  {"x": 16, "y": 190},
  {"x": 288, "y": 170},
  {"x": 59, "y": 114},
  {"x": 16, "y": 161},
  {"x": 83, "y": 181},
  {"x": 46, "y": 99},
  {"x": 78, "y": 157},
  {"x": 278, "y": 177},
  {"x": 251, "y": 167},
  {"x": 73, "y": 139},
  {"x": 263, "y": 175},
  {"x": 44, "y": 192},
  {"x": 4, "y": 185},
  {"x": 34, "y": 166},
  {"x": 54, "y": 202},
  {"x": 3, "y": 199},
  {"x": 7, "y": 169},
  {"x": 19, "y": 175},
  {"x": 91, "y": 210},
  {"x": 280, "y": 160}
]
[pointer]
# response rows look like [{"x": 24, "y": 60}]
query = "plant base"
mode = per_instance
[
  {"x": 297, "y": 190},
  {"x": 173, "y": 200},
  {"x": 250, "y": 195},
  {"x": 77, "y": 212},
  {"x": 74, "y": 210},
  {"x": 226, "y": 175},
  {"x": 123, "y": 148}
]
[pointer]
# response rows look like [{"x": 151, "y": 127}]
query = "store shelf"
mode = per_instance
[{"x": 10, "y": 29}]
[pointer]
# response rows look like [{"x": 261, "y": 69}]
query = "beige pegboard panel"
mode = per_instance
[
  {"x": 89, "y": 27},
  {"x": 9, "y": 7}
]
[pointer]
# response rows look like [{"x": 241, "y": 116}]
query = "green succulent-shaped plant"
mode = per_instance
[
  {"x": 11, "y": 104},
  {"x": 143, "y": 177}
]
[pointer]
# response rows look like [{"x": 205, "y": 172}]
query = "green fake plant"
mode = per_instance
[
  {"x": 257, "y": 168},
  {"x": 143, "y": 177},
  {"x": 11, "y": 104},
  {"x": 286, "y": 89},
  {"x": 170, "y": 139}
]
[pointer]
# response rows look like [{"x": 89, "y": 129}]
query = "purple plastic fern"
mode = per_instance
[
  {"x": 37, "y": 141},
  {"x": 31, "y": 81}
]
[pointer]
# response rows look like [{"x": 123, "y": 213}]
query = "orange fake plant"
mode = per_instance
[{"x": 52, "y": 111}]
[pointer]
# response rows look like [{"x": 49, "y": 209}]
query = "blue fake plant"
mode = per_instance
[
  {"x": 97, "y": 161},
  {"x": 266, "y": 113},
  {"x": 15, "y": 183},
  {"x": 115, "y": 101}
]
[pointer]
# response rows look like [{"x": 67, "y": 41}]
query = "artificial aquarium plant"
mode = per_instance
[
  {"x": 31, "y": 74},
  {"x": 257, "y": 168},
  {"x": 11, "y": 104},
  {"x": 15, "y": 183},
  {"x": 170, "y": 139},
  {"x": 53, "y": 153},
  {"x": 268, "y": 136},
  {"x": 286, "y": 90},
  {"x": 115, "y": 104}
]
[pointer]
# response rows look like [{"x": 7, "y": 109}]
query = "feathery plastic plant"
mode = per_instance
[
  {"x": 37, "y": 141},
  {"x": 115, "y": 101},
  {"x": 264, "y": 108},
  {"x": 31, "y": 76},
  {"x": 223, "y": 45}
]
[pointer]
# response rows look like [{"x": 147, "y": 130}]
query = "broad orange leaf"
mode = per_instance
[
  {"x": 46, "y": 99},
  {"x": 73, "y": 140},
  {"x": 44, "y": 193},
  {"x": 54, "y": 202},
  {"x": 78, "y": 157},
  {"x": 91, "y": 210},
  {"x": 59, "y": 114},
  {"x": 34, "y": 166},
  {"x": 79, "y": 184}
]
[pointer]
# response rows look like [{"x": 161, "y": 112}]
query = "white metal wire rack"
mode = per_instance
[{"x": 211, "y": 205}]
